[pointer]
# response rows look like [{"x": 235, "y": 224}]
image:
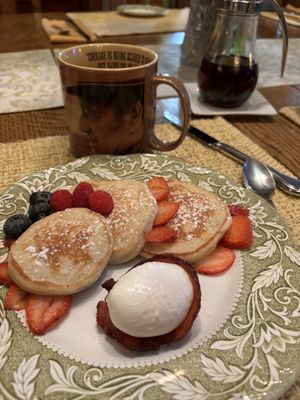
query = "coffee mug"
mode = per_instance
[{"x": 110, "y": 99}]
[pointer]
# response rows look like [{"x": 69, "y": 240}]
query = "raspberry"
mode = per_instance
[
  {"x": 60, "y": 200},
  {"x": 101, "y": 202},
  {"x": 81, "y": 194}
]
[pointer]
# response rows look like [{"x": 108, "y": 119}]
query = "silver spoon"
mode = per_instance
[{"x": 258, "y": 178}]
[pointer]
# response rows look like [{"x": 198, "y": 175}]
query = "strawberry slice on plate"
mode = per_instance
[
  {"x": 43, "y": 311},
  {"x": 220, "y": 260},
  {"x": 236, "y": 209},
  {"x": 160, "y": 234},
  {"x": 5, "y": 279},
  {"x": 166, "y": 210},
  {"x": 15, "y": 298},
  {"x": 239, "y": 235},
  {"x": 159, "y": 188},
  {"x": 8, "y": 243}
]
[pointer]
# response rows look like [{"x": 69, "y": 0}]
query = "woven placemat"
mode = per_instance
[
  {"x": 32, "y": 124},
  {"x": 21, "y": 158},
  {"x": 293, "y": 113},
  {"x": 112, "y": 23},
  {"x": 26, "y": 156}
]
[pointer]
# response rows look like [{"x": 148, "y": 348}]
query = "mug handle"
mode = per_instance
[{"x": 176, "y": 84}]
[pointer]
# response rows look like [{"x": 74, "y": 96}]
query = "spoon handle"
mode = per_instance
[{"x": 284, "y": 182}]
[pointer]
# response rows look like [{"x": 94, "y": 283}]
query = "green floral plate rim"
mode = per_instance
[{"x": 252, "y": 354}]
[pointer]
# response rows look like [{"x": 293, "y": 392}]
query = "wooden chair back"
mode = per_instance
[
  {"x": 15, "y": 6},
  {"x": 11, "y": 6},
  {"x": 8, "y": 7}
]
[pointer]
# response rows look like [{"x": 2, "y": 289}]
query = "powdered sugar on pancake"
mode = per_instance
[
  {"x": 193, "y": 213},
  {"x": 200, "y": 222},
  {"x": 62, "y": 253}
]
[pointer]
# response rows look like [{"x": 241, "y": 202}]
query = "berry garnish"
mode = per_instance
[
  {"x": 8, "y": 242},
  {"x": 15, "y": 298},
  {"x": 166, "y": 210},
  {"x": 235, "y": 209},
  {"x": 5, "y": 279},
  {"x": 159, "y": 188},
  {"x": 15, "y": 225},
  {"x": 239, "y": 235},
  {"x": 101, "y": 202},
  {"x": 43, "y": 311},
  {"x": 81, "y": 194},
  {"x": 38, "y": 211},
  {"x": 217, "y": 262},
  {"x": 39, "y": 197},
  {"x": 160, "y": 234},
  {"x": 60, "y": 200}
]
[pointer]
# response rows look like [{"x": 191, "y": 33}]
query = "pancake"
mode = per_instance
[
  {"x": 132, "y": 217},
  {"x": 200, "y": 223},
  {"x": 62, "y": 253}
]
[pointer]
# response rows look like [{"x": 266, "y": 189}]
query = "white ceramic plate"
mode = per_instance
[
  {"x": 141, "y": 10},
  {"x": 257, "y": 104},
  {"x": 243, "y": 344}
]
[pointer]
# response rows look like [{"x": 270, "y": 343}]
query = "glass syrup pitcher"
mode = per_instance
[{"x": 228, "y": 73}]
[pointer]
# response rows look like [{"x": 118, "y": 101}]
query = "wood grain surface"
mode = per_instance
[{"x": 277, "y": 135}]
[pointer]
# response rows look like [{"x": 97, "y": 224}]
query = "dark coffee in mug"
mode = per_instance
[{"x": 110, "y": 99}]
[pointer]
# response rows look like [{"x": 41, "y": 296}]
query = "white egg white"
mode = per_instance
[{"x": 151, "y": 299}]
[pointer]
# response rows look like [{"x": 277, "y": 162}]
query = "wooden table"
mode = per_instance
[{"x": 277, "y": 135}]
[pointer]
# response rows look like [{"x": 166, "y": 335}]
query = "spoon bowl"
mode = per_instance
[{"x": 258, "y": 178}]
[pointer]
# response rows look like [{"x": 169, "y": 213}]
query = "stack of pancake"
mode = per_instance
[
  {"x": 200, "y": 222},
  {"x": 67, "y": 251}
]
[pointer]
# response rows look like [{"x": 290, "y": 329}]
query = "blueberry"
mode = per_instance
[
  {"x": 38, "y": 211},
  {"x": 39, "y": 197},
  {"x": 15, "y": 225}
]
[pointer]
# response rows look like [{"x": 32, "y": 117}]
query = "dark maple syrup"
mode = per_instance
[{"x": 227, "y": 81}]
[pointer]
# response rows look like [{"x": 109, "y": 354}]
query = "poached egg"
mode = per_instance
[{"x": 151, "y": 299}]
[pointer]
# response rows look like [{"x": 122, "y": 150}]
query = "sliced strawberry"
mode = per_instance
[
  {"x": 235, "y": 209},
  {"x": 58, "y": 308},
  {"x": 159, "y": 188},
  {"x": 5, "y": 279},
  {"x": 217, "y": 262},
  {"x": 15, "y": 298},
  {"x": 166, "y": 210},
  {"x": 239, "y": 235},
  {"x": 8, "y": 243},
  {"x": 43, "y": 311},
  {"x": 160, "y": 234}
]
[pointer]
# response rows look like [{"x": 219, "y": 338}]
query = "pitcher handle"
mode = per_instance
[{"x": 272, "y": 5}]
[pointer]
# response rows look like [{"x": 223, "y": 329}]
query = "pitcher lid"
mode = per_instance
[{"x": 244, "y": 6}]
